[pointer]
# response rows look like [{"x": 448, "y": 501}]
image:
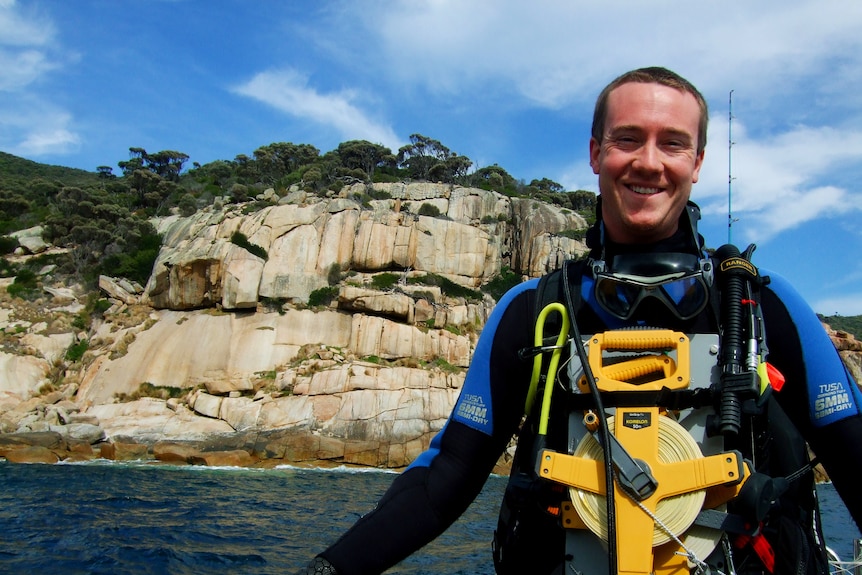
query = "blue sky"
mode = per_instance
[{"x": 499, "y": 81}]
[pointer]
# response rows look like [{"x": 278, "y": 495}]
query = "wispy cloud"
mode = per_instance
[
  {"x": 288, "y": 91},
  {"x": 21, "y": 67},
  {"x": 30, "y": 124},
  {"x": 24, "y": 41},
  {"x": 556, "y": 53},
  {"x": 784, "y": 180}
]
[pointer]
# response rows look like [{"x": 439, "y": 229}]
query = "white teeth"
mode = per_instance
[{"x": 645, "y": 191}]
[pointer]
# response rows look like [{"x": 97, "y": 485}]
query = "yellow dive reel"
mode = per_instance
[{"x": 664, "y": 476}]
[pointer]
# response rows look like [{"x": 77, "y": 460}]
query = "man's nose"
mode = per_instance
[{"x": 648, "y": 157}]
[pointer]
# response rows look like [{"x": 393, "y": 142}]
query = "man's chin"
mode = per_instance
[{"x": 647, "y": 231}]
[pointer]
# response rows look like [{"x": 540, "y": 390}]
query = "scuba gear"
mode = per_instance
[
  {"x": 660, "y": 454},
  {"x": 740, "y": 376},
  {"x": 680, "y": 281},
  {"x": 660, "y": 446}
]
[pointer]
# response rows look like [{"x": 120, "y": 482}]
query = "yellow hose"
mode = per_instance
[{"x": 552, "y": 366}]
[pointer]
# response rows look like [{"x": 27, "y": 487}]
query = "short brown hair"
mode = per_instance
[{"x": 651, "y": 75}]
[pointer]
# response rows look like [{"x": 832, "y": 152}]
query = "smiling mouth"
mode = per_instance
[{"x": 644, "y": 191}]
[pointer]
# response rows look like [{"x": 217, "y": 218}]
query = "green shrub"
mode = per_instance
[
  {"x": 502, "y": 283},
  {"x": 385, "y": 178},
  {"x": 241, "y": 240},
  {"x": 363, "y": 199},
  {"x": 379, "y": 194},
  {"x": 26, "y": 277},
  {"x": 148, "y": 389},
  {"x": 573, "y": 234},
  {"x": 445, "y": 366},
  {"x": 384, "y": 280},
  {"x": 273, "y": 304},
  {"x": 255, "y": 206},
  {"x": 447, "y": 286},
  {"x": 187, "y": 205},
  {"x": 322, "y": 296},
  {"x": 7, "y": 268},
  {"x": 8, "y": 244},
  {"x": 333, "y": 276},
  {"x": 101, "y": 306},
  {"x": 81, "y": 321},
  {"x": 76, "y": 350},
  {"x": 25, "y": 284},
  {"x": 136, "y": 266},
  {"x": 429, "y": 210}
]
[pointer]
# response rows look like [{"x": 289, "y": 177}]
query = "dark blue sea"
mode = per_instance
[{"x": 139, "y": 519}]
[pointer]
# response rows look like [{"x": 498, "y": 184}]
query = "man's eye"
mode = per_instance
[{"x": 676, "y": 144}]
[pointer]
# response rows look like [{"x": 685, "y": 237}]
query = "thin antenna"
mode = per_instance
[{"x": 730, "y": 142}]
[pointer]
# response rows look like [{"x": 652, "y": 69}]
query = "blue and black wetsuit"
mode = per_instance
[{"x": 819, "y": 397}]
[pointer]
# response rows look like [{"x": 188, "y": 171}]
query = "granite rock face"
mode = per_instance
[
  {"x": 313, "y": 331},
  {"x": 476, "y": 234},
  {"x": 223, "y": 348}
]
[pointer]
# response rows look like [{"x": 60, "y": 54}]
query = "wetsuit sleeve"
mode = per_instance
[
  {"x": 820, "y": 396},
  {"x": 437, "y": 488}
]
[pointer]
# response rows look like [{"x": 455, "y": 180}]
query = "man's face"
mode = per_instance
[{"x": 647, "y": 160}]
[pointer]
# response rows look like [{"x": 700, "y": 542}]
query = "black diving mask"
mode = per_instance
[{"x": 680, "y": 281}]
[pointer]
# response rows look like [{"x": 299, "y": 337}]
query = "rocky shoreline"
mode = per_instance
[{"x": 264, "y": 450}]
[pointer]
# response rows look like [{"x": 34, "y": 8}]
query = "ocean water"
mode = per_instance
[{"x": 136, "y": 519}]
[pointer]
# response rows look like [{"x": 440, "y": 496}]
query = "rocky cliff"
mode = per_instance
[
  {"x": 221, "y": 346},
  {"x": 230, "y": 356}
]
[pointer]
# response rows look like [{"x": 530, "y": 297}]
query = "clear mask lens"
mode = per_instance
[{"x": 686, "y": 296}]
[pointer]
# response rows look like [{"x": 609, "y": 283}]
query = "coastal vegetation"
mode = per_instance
[
  {"x": 103, "y": 217},
  {"x": 850, "y": 324}
]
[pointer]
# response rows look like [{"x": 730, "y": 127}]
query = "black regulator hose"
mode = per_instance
[
  {"x": 732, "y": 351},
  {"x": 738, "y": 383}
]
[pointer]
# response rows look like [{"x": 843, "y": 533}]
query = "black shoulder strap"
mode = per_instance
[{"x": 550, "y": 290}]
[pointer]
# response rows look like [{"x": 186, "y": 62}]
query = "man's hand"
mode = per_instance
[{"x": 318, "y": 566}]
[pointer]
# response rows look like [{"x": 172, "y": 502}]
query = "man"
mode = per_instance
[{"x": 647, "y": 148}]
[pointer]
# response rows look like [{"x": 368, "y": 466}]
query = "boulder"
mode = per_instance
[
  {"x": 62, "y": 294},
  {"x": 31, "y": 240},
  {"x": 121, "y": 451},
  {"x": 208, "y": 405},
  {"x": 31, "y": 454},
  {"x": 174, "y": 452},
  {"x": 22, "y": 375},
  {"x": 234, "y": 458},
  {"x": 50, "y": 347},
  {"x": 118, "y": 289},
  {"x": 47, "y": 439},
  {"x": 86, "y": 432}
]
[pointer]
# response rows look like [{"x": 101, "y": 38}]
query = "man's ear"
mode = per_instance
[
  {"x": 698, "y": 162},
  {"x": 595, "y": 150}
]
